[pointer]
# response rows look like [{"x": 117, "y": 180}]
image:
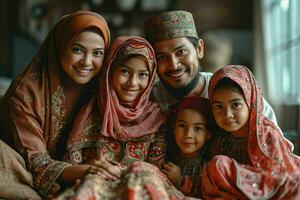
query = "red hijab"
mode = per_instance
[
  {"x": 197, "y": 103},
  {"x": 117, "y": 121},
  {"x": 144, "y": 117},
  {"x": 268, "y": 150}
]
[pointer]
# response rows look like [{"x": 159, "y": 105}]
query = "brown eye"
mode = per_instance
[
  {"x": 237, "y": 105},
  {"x": 160, "y": 58},
  {"x": 143, "y": 75},
  {"x": 77, "y": 50},
  {"x": 98, "y": 53},
  {"x": 217, "y": 107},
  {"x": 124, "y": 71},
  {"x": 181, "y": 52}
]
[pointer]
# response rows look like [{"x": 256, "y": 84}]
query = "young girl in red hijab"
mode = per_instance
[
  {"x": 191, "y": 123},
  {"x": 255, "y": 161}
]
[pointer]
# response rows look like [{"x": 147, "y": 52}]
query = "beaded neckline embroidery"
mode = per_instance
[{"x": 191, "y": 167}]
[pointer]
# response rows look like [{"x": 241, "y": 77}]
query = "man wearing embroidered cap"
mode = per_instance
[{"x": 178, "y": 52}]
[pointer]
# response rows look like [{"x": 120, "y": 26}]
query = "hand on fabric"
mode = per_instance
[
  {"x": 173, "y": 172},
  {"x": 71, "y": 173},
  {"x": 109, "y": 170}
]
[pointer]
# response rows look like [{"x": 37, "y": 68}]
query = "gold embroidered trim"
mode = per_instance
[{"x": 57, "y": 100}]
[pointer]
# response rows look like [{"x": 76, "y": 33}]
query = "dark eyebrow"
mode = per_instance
[
  {"x": 123, "y": 65},
  {"x": 129, "y": 68},
  {"x": 232, "y": 100},
  {"x": 179, "y": 47},
  {"x": 75, "y": 43},
  {"x": 236, "y": 99},
  {"x": 200, "y": 123},
  {"x": 175, "y": 49}
]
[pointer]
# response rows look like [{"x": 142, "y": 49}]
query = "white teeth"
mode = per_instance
[
  {"x": 176, "y": 75},
  {"x": 82, "y": 70},
  {"x": 131, "y": 91}
]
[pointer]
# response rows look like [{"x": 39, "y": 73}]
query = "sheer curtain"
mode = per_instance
[
  {"x": 281, "y": 41},
  {"x": 277, "y": 61}
]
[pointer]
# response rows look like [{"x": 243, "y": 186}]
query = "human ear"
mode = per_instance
[{"x": 200, "y": 48}]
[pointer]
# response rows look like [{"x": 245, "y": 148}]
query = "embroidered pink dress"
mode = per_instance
[
  {"x": 262, "y": 167},
  {"x": 106, "y": 128}
]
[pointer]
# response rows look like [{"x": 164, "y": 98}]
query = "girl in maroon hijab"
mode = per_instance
[
  {"x": 187, "y": 143},
  {"x": 255, "y": 161}
]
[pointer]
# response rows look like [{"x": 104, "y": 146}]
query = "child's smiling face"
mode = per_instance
[
  {"x": 230, "y": 109},
  {"x": 191, "y": 132}
]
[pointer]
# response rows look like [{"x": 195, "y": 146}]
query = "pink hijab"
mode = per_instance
[
  {"x": 270, "y": 154},
  {"x": 144, "y": 117},
  {"x": 117, "y": 121}
]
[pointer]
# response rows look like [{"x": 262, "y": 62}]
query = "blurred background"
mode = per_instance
[{"x": 264, "y": 35}]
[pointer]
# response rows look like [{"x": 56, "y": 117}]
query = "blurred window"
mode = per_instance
[{"x": 281, "y": 33}]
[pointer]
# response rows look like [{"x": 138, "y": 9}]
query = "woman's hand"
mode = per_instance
[
  {"x": 109, "y": 170},
  {"x": 173, "y": 172},
  {"x": 71, "y": 173}
]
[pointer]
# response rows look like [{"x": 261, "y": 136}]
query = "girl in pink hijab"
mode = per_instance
[
  {"x": 121, "y": 125},
  {"x": 255, "y": 161}
]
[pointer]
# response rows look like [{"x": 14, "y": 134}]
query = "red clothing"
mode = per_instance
[
  {"x": 141, "y": 181},
  {"x": 124, "y": 134},
  {"x": 41, "y": 102},
  {"x": 272, "y": 171},
  {"x": 190, "y": 168},
  {"x": 106, "y": 128}
]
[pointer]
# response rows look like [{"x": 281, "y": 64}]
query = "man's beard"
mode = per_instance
[{"x": 180, "y": 93}]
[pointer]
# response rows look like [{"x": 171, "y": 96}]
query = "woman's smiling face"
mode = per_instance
[{"x": 83, "y": 57}]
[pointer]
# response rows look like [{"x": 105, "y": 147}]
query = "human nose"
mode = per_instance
[
  {"x": 133, "y": 80},
  {"x": 189, "y": 133},
  {"x": 173, "y": 62},
  {"x": 228, "y": 113},
  {"x": 87, "y": 60}
]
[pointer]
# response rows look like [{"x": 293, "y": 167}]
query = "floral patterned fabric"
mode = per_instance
[
  {"x": 272, "y": 171},
  {"x": 90, "y": 146},
  {"x": 40, "y": 104},
  {"x": 140, "y": 181},
  {"x": 107, "y": 129}
]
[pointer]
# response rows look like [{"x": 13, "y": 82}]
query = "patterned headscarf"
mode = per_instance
[
  {"x": 268, "y": 150},
  {"x": 169, "y": 25},
  {"x": 40, "y": 102},
  {"x": 41, "y": 85},
  {"x": 144, "y": 117}
]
